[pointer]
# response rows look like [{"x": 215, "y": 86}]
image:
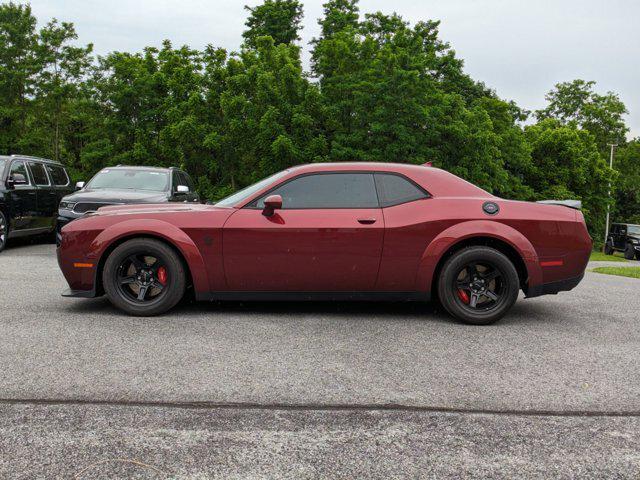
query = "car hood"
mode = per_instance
[{"x": 116, "y": 196}]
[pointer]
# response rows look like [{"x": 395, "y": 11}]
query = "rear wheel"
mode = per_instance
[
  {"x": 629, "y": 252},
  {"x": 608, "y": 248},
  {"x": 478, "y": 285},
  {"x": 144, "y": 277},
  {"x": 4, "y": 231}
]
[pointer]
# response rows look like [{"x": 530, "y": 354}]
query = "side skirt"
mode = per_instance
[{"x": 315, "y": 296}]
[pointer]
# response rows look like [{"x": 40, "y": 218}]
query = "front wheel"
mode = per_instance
[
  {"x": 478, "y": 285},
  {"x": 144, "y": 277},
  {"x": 4, "y": 231}
]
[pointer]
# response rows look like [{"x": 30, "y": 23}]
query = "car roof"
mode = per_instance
[
  {"x": 357, "y": 166},
  {"x": 141, "y": 167},
  {"x": 30, "y": 157},
  {"x": 628, "y": 224}
]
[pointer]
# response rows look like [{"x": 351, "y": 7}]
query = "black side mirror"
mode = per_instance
[{"x": 16, "y": 179}]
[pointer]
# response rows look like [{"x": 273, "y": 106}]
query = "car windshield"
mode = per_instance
[
  {"x": 2, "y": 162},
  {"x": 250, "y": 190},
  {"x": 634, "y": 229},
  {"x": 129, "y": 179}
]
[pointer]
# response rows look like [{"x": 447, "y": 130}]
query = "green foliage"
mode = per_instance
[
  {"x": 278, "y": 19},
  {"x": 380, "y": 89}
]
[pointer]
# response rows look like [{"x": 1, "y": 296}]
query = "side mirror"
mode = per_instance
[
  {"x": 271, "y": 204},
  {"x": 79, "y": 185},
  {"x": 182, "y": 189},
  {"x": 16, "y": 179}
]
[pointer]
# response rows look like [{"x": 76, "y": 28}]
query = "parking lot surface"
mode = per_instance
[{"x": 317, "y": 380}]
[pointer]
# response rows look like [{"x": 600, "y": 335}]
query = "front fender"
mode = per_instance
[
  {"x": 476, "y": 228},
  {"x": 162, "y": 230}
]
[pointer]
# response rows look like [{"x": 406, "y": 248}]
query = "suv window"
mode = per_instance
[
  {"x": 58, "y": 175},
  {"x": 327, "y": 190},
  {"x": 21, "y": 168},
  {"x": 395, "y": 189},
  {"x": 188, "y": 182},
  {"x": 39, "y": 173}
]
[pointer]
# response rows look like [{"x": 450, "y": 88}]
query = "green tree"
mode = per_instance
[
  {"x": 278, "y": 19},
  {"x": 18, "y": 68},
  {"x": 58, "y": 83},
  {"x": 602, "y": 115},
  {"x": 627, "y": 186}
]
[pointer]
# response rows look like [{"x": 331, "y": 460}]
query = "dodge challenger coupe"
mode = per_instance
[{"x": 348, "y": 231}]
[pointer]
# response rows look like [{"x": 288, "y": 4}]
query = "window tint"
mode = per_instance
[
  {"x": 188, "y": 182},
  {"x": 58, "y": 175},
  {"x": 39, "y": 174},
  {"x": 331, "y": 190},
  {"x": 20, "y": 168},
  {"x": 394, "y": 190}
]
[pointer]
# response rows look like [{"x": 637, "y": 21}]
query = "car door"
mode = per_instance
[
  {"x": 61, "y": 182},
  {"x": 47, "y": 197},
  {"x": 23, "y": 204},
  {"x": 621, "y": 237},
  {"x": 326, "y": 238}
]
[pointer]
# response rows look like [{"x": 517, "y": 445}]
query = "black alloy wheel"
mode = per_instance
[
  {"x": 4, "y": 231},
  {"x": 478, "y": 285},
  {"x": 144, "y": 277}
]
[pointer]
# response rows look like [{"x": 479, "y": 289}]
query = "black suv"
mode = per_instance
[
  {"x": 624, "y": 237},
  {"x": 124, "y": 185},
  {"x": 30, "y": 189}
]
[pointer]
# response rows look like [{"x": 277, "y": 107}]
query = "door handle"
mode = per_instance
[{"x": 366, "y": 221}]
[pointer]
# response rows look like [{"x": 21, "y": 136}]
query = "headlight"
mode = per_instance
[{"x": 67, "y": 205}]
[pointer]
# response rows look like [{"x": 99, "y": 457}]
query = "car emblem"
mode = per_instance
[{"x": 490, "y": 208}]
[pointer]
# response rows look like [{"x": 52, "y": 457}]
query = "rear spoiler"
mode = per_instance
[{"x": 575, "y": 204}]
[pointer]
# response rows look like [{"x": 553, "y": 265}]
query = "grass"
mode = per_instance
[
  {"x": 633, "y": 272},
  {"x": 601, "y": 257}
]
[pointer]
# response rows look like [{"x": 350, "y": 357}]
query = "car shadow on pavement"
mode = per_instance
[{"x": 523, "y": 312}]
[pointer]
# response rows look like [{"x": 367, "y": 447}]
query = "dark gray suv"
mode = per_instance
[
  {"x": 125, "y": 185},
  {"x": 624, "y": 237}
]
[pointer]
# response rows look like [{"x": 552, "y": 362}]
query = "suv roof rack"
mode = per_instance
[{"x": 33, "y": 157}]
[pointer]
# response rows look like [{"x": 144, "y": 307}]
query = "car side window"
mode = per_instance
[
  {"x": 19, "y": 168},
  {"x": 39, "y": 174},
  {"x": 395, "y": 190},
  {"x": 327, "y": 190},
  {"x": 58, "y": 175},
  {"x": 188, "y": 182}
]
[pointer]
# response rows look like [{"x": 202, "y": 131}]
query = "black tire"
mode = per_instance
[
  {"x": 4, "y": 231},
  {"x": 629, "y": 252},
  {"x": 608, "y": 248},
  {"x": 477, "y": 272},
  {"x": 129, "y": 269}
]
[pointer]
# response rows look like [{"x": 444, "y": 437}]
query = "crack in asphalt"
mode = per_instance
[{"x": 390, "y": 407}]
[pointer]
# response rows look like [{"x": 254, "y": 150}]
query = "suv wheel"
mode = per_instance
[
  {"x": 4, "y": 231},
  {"x": 629, "y": 252},
  {"x": 608, "y": 248},
  {"x": 144, "y": 277},
  {"x": 478, "y": 285}
]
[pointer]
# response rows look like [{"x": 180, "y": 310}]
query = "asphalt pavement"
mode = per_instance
[{"x": 302, "y": 390}]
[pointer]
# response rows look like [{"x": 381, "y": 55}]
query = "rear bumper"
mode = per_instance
[{"x": 554, "y": 287}]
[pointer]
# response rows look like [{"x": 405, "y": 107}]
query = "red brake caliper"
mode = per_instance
[
  {"x": 162, "y": 275},
  {"x": 463, "y": 296}
]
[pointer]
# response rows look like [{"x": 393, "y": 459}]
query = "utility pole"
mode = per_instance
[{"x": 606, "y": 227}]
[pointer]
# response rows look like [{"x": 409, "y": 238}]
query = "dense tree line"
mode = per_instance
[{"x": 379, "y": 89}]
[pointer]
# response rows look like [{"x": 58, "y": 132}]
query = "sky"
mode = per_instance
[{"x": 519, "y": 48}]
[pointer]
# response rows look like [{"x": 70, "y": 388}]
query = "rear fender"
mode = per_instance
[
  {"x": 477, "y": 228},
  {"x": 159, "y": 229}
]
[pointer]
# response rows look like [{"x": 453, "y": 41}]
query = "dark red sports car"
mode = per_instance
[{"x": 352, "y": 231}]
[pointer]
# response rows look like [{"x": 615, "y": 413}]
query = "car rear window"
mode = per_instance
[
  {"x": 58, "y": 175},
  {"x": 39, "y": 173},
  {"x": 395, "y": 190}
]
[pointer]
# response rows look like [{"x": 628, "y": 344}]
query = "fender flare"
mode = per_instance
[
  {"x": 476, "y": 228},
  {"x": 162, "y": 230}
]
